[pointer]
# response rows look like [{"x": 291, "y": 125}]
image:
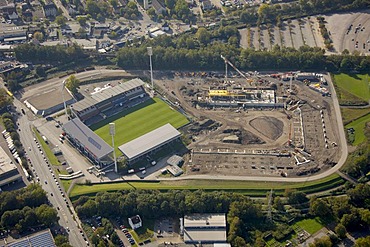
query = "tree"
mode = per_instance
[
  {"x": 363, "y": 242},
  {"x": 38, "y": 36},
  {"x": 73, "y": 84},
  {"x": 203, "y": 36},
  {"x": 322, "y": 242},
  {"x": 61, "y": 20},
  {"x": 295, "y": 197},
  {"x": 60, "y": 239},
  {"x": 278, "y": 204},
  {"x": 5, "y": 99},
  {"x": 319, "y": 208},
  {"x": 40, "y": 71},
  {"x": 82, "y": 20},
  {"x": 47, "y": 215},
  {"x": 341, "y": 231}
]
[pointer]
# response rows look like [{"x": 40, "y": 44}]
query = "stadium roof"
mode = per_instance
[
  {"x": 40, "y": 239},
  {"x": 107, "y": 94},
  {"x": 149, "y": 141},
  {"x": 87, "y": 138},
  {"x": 205, "y": 220}
]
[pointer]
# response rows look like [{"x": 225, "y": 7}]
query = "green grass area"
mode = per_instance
[
  {"x": 352, "y": 88},
  {"x": 66, "y": 184},
  {"x": 310, "y": 225},
  {"x": 351, "y": 114},
  {"x": 359, "y": 126},
  {"x": 45, "y": 147},
  {"x": 251, "y": 188},
  {"x": 140, "y": 120},
  {"x": 145, "y": 232}
]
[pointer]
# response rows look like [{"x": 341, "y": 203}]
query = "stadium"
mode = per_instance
[{"x": 143, "y": 125}]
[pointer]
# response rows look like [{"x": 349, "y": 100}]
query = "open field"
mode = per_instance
[
  {"x": 310, "y": 225},
  {"x": 352, "y": 87},
  {"x": 359, "y": 125},
  {"x": 143, "y": 120},
  {"x": 351, "y": 114},
  {"x": 251, "y": 188}
]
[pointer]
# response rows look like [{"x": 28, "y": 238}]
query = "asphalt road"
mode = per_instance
[{"x": 47, "y": 181}]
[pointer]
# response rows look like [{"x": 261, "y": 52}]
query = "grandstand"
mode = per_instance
[
  {"x": 150, "y": 142},
  {"x": 107, "y": 98},
  {"x": 88, "y": 143}
]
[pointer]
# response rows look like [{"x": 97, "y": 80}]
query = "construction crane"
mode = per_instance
[{"x": 232, "y": 65}]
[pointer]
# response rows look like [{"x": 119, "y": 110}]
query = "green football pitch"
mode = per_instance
[{"x": 140, "y": 120}]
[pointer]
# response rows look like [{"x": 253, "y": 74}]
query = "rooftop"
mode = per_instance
[
  {"x": 205, "y": 235},
  {"x": 205, "y": 220},
  {"x": 149, "y": 141},
  {"x": 6, "y": 164},
  {"x": 49, "y": 98},
  {"x": 43, "y": 238},
  {"x": 135, "y": 219},
  {"x": 88, "y": 138}
]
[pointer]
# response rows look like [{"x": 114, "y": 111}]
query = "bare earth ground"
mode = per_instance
[{"x": 262, "y": 132}]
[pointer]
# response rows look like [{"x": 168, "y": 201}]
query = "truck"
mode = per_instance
[{"x": 45, "y": 139}]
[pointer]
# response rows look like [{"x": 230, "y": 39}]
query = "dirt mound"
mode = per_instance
[{"x": 270, "y": 127}]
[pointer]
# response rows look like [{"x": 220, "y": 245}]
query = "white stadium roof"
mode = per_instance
[{"x": 149, "y": 141}]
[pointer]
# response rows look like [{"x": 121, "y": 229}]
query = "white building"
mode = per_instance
[{"x": 135, "y": 222}]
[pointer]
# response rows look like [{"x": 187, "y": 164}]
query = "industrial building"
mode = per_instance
[
  {"x": 150, "y": 142},
  {"x": 204, "y": 228},
  {"x": 8, "y": 170},
  {"x": 108, "y": 97},
  {"x": 88, "y": 143}
]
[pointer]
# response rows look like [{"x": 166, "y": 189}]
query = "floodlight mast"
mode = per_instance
[
  {"x": 150, "y": 53},
  {"x": 64, "y": 101},
  {"x": 112, "y": 132}
]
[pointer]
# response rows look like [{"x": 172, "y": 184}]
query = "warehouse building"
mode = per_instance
[
  {"x": 150, "y": 142},
  {"x": 108, "y": 97},
  {"x": 50, "y": 101},
  {"x": 8, "y": 170},
  {"x": 204, "y": 228},
  {"x": 88, "y": 143}
]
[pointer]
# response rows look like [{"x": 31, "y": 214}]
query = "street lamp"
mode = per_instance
[
  {"x": 150, "y": 53},
  {"x": 64, "y": 101},
  {"x": 112, "y": 132}
]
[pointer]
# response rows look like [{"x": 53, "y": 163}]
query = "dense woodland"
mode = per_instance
[
  {"x": 246, "y": 218},
  {"x": 26, "y": 208}
]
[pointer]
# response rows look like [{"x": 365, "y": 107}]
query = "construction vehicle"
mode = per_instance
[{"x": 227, "y": 62}]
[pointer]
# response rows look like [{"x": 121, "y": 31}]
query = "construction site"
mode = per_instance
[{"x": 251, "y": 123}]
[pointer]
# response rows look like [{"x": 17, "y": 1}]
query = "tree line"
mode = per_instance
[
  {"x": 246, "y": 219},
  {"x": 26, "y": 208},
  {"x": 58, "y": 54}
]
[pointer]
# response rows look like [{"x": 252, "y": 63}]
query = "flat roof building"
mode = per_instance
[
  {"x": 149, "y": 142},
  {"x": 8, "y": 170},
  {"x": 44, "y": 238},
  {"x": 87, "y": 142},
  {"x": 50, "y": 101},
  {"x": 205, "y": 228}
]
